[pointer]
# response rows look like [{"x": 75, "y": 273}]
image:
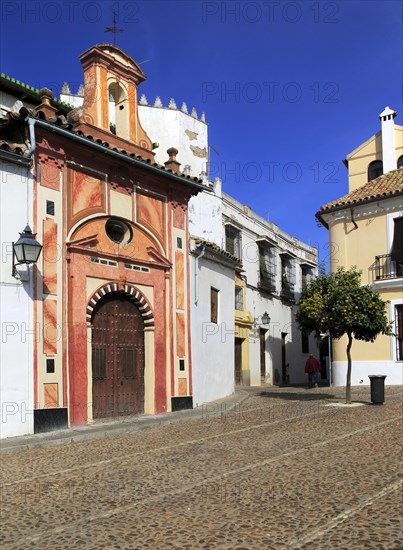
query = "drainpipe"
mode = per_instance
[
  {"x": 31, "y": 123},
  {"x": 197, "y": 271}
]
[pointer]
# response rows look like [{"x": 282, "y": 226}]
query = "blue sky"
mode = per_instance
[{"x": 288, "y": 88}]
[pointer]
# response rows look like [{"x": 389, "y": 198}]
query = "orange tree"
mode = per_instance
[{"x": 337, "y": 303}]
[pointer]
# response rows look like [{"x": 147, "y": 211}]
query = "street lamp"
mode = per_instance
[
  {"x": 26, "y": 250},
  {"x": 264, "y": 319}
]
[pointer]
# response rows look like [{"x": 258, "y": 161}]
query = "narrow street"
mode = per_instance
[{"x": 283, "y": 469}]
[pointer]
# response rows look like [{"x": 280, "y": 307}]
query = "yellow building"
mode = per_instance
[{"x": 366, "y": 230}]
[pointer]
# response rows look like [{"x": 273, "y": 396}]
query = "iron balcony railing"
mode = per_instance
[
  {"x": 386, "y": 268},
  {"x": 267, "y": 284},
  {"x": 287, "y": 292}
]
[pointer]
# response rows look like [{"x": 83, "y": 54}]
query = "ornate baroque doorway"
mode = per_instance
[{"x": 117, "y": 357}]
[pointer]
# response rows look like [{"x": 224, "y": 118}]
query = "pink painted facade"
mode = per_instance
[{"x": 112, "y": 225}]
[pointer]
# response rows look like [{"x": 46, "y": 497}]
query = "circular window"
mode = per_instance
[{"x": 118, "y": 231}]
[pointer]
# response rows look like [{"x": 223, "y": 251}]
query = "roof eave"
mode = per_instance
[{"x": 349, "y": 205}]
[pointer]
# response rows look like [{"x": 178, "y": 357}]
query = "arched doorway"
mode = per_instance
[{"x": 117, "y": 357}]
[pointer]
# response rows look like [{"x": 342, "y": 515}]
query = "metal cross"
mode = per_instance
[{"x": 114, "y": 29}]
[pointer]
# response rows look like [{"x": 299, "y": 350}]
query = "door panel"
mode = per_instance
[
  {"x": 117, "y": 357},
  {"x": 238, "y": 360}
]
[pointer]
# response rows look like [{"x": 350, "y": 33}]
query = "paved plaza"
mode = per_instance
[{"x": 270, "y": 468}]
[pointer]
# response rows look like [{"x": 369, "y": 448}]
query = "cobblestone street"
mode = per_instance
[{"x": 283, "y": 469}]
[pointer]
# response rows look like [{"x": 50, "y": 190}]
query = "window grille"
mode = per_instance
[
  {"x": 233, "y": 241},
  {"x": 267, "y": 267},
  {"x": 239, "y": 298}
]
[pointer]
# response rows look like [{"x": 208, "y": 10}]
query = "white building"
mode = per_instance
[
  {"x": 272, "y": 267},
  {"x": 242, "y": 267},
  {"x": 16, "y": 295},
  {"x": 275, "y": 268}
]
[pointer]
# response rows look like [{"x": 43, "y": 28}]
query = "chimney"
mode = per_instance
[
  {"x": 172, "y": 163},
  {"x": 388, "y": 139},
  {"x": 46, "y": 107}
]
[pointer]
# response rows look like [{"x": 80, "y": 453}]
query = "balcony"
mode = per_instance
[
  {"x": 386, "y": 268},
  {"x": 287, "y": 292},
  {"x": 267, "y": 284}
]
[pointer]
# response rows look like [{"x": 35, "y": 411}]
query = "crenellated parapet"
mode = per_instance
[
  {"x": 76, "y": 100},
  {"x": 173, "y": 106},
  {"x": 166, "y": 124}
]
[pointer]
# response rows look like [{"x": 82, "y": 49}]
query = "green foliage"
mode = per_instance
[{"x": 337, "y": 303}]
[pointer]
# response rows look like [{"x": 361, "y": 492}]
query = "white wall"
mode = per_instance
[
  {"x": 282, "y": 314},
  {"x": 16, "y": 372},
  {"x": 361, "y": 369},
  {"x": 205, "y": 215},
  {"x": 173, "y": 128},
  {"x": 212, "y": 344}
]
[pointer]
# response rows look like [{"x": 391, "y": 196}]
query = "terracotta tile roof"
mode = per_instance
[
  {"x": 382, "y": 187},
  {"x": 17, "y": 148},
  {"x": 30, "y": 92},
  {"x": 62, "y": 122},
  {"x": 218, "y": 249}
]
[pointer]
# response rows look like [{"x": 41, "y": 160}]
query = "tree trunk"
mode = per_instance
[{"x": 348, "y": 382}]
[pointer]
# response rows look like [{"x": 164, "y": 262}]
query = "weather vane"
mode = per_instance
[{"x": 114, "y": 29}]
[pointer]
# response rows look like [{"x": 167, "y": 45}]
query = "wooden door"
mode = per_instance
[
  {"x": 238, "y": 360},
  {"x": 284, "y": 373},
  {"x": 117, "y": 357},
  {"x": 262, "y": 335}
]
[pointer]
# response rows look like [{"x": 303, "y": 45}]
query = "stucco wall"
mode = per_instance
[
  {"x": 359, "y": 245},
  {"x": 16, "y": 373},
  {"x": 173, "y": 128},
  {"x": 212, "y": 344},
  {"x": 369, "y": 151}
]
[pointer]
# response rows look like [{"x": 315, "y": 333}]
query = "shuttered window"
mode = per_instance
[{"x": 214, "y": 305}]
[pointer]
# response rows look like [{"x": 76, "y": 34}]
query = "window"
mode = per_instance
[
  {"x": 396, "y": 253},
  {"x": 375, "y": 169},
  {"x": 233, "y": 240},
  {"x": 400, "y": 162},
  {"x": 119, "y": 121},
  {"x": 399, "y": 331},
  {"x": 118, "y": 231},
  {"x": 178, "y": 242},
  {"x": 50, "y": 366},
  {"x": 239, "y": 298},
  {"x": 267, "y": 267},
  {"x": 305, "y": 341},
  {"x": 287, "y": 277},
  {"x": 306, "y": 276},
  {"x": 214, "y": 305},
  {"x": 181, "y": 364},
  {"x": 50, "y": 208}
]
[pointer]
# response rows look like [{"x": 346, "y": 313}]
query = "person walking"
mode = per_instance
[{"x": 312, "y": 368}]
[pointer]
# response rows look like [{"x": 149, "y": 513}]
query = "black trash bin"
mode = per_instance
[{"x": 377, "y": 388}]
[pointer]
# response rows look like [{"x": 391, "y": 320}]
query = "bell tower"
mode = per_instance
[{"x": 111, "y": 78}]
